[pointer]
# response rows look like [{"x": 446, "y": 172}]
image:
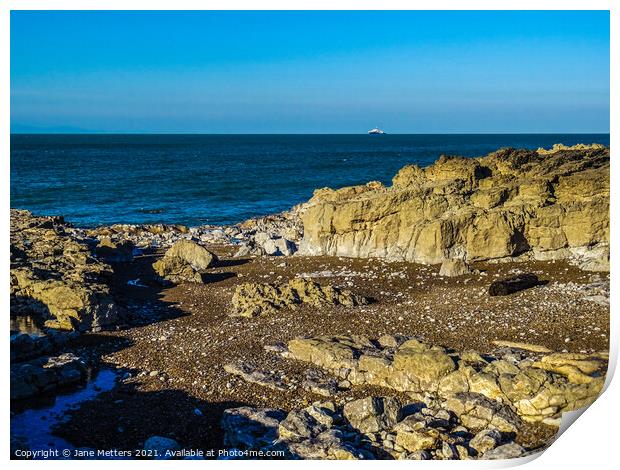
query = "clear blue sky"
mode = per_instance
[{"x": 310, "y": 72}]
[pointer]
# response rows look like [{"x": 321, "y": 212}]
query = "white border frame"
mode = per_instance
[{"x": 589, "y": 444}]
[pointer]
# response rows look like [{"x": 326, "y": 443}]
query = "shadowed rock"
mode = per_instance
[{"x": 513, "y": 284}]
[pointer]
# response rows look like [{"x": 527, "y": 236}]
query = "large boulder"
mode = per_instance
[
  {"x": 185, "y": 261},
  {"x": 541, "y": 205}
]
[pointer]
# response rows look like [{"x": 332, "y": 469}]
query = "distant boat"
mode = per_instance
[{"x": 376, "y": 130}]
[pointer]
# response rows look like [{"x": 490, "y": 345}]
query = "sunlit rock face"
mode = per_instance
[{"x": 545, "y": 204}]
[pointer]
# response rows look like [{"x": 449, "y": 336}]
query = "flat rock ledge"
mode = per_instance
[
  {"x": 460, "y": 405},
  {"x": 256, "y": 299}
]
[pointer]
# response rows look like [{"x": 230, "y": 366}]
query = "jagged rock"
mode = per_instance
[
  {"x": 509, "y": 203},
  {"x": 478, "y": 412},
  {"x": 513, "y": 284},
  {"x": 184, "y": 261},
  {"x": 414, "y": 440},
  {"x": 254, "y": 299},
  {"x": 24, "y": 346},
  {"x": 454, "y": 267},
  {"x": 54, "y": 276},
  {"x": 115, "y": 251},
  {"x": 373, "y": 414},
  {"x": 466, "y": 405},
  {"x": 486, "y": 440},
  {"x": 319, "y": 383},
  {"x": 594, "y": 258},
  {"x": 472, "y": 386},
  {"x": 299, "y": 425},
  {"x": 561, "y": 147}
]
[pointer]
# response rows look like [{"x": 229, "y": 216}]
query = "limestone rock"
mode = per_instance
[
  {"x": 115, "y": 251},
  {"x": 472, "y": 386},
  {"x": 55, "y": 277},
  {"x": 465, "y": 404},
  {"x": 506, "y": 204},
  {"x": 184, "y": 261},
  {"x": 454, "y": 267},
  {"x": 478, "y": 412},
  {"x": 254, "y": 299},
  {"x": 373, "y": 414},
  {"x": 299, "y": 425},
  {"x": 486, "y": 440}
]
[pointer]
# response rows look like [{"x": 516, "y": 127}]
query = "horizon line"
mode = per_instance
[{"x": 307, "y": 133}]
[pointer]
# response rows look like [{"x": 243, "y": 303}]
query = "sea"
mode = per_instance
[{"x": 102, "y": 179}]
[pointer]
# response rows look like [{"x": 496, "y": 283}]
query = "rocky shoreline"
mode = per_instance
[{"x": 453, "y": 315}]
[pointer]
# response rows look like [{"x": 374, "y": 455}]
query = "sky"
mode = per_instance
[{"x": 310, "y": 72}]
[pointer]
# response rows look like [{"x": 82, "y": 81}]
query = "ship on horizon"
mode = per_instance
[{"x": 376, "y": 131}]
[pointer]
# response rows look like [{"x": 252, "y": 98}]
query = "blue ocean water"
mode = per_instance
[{"x": 219, "y": 179}]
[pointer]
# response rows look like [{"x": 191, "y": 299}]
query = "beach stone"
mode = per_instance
[
  {"x": 256, "y": 299},
  {"x": 373, "y": 414},
  {"x": 454, "y": 267},
  {"x": 319, "y": 383},
  {"x": 513, "y": 284},
  {"x": 485, "y": 440},
  {"x": 417, "y": 440},
  {"x": 426, "y": 367},
  {"x": 299, "y": 425},
  {"x": 185, "y": 261},
  {"x": 328, "y": 445}
]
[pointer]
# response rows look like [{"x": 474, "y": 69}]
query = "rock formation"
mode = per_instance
[
  {"x": 55, "y": 277},
  {"x": 184, "y": 261},
  {"x": 462, "y": 405},
  {"x": 254, "y": 299},
  {"x": 542, "y": 205},
  {"x": 537, "y": 388}
]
